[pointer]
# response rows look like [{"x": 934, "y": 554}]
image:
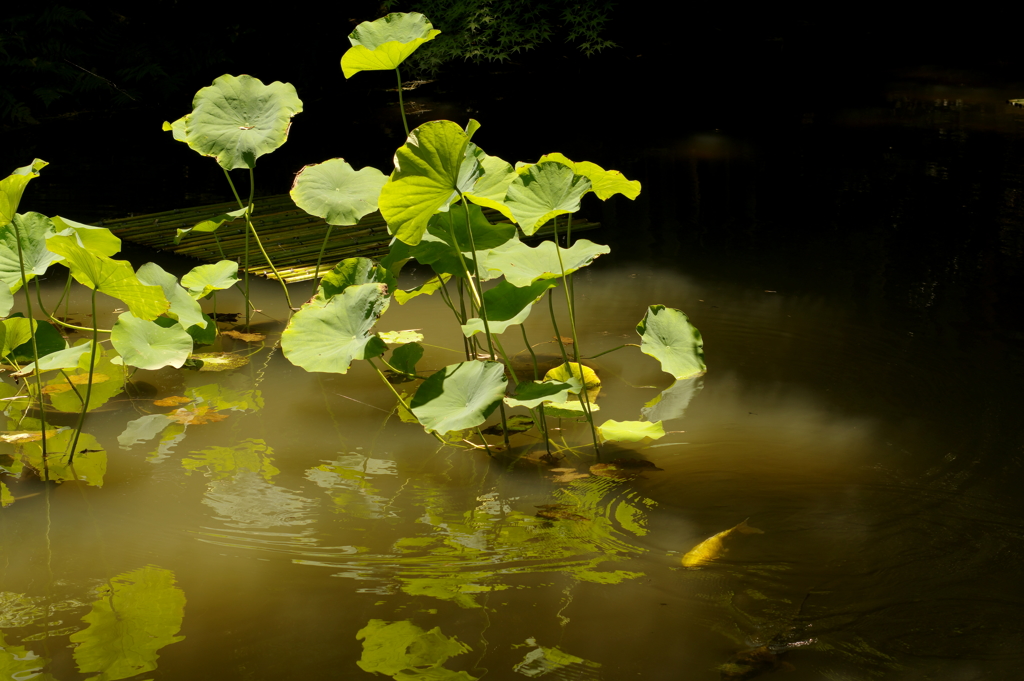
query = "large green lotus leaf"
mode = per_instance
[
  {"x": 96, "y": 240},
  {"x": 34, "y": 229},
  {"x": 354, "y": 272},
  {"x": 137, "y": 613},
  {"x": 89, "y": 464},
  {"x": 490, "y": 188},
  {"x": 200, "y": 335},
  {"x": 335, "y": 192},
  {"x": 534, "y": 393},
  {"x": 425, "y": 289},
  {"x": 672, "y": 402},
  {"x": 238, "y": 119},
  {"x": 405, "y": 357},
  {"x": 459, "y": 396},
  {"x": 6, "y": 301},
  {"x": 67, "y": 358},
  {"x": 177, "y": 128},
  {"x": 605, "y": 183},
  {"x": 669, "y": 337},
  {"x": 328, "y": 336},
  {"x": 115, "y": 278},
  {"x": 427, "y": 170},
  {"x": 212, "y": 224},
  {"x": 630, "y": 431},
  {"x": 383, "y": 44},
  {"x": 522, "y": 265},
  {"x": 184, "y": 308},
  {"x": 108, "y": 382},
  {"x": 437, "y": 250},
  {"x": 507, "y": 305},
  {"x": 148, "y": 345},
  {"x": 205, "y": 279},
  {"x": 13, "y": 186},
  {"x": 543, "y": 192}
]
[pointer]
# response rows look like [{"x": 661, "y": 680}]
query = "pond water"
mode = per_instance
[{"x": 861, "y": 410}]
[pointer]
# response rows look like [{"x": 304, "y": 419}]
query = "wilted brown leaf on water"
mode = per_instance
[
  {"x": 77, "y": 379},
  {"x": 559, "y": 512},
  {"x": 567, "y": 474},
  {"x": 172, "y": 401},
  {"x": 198, "y": 416},
  {"x": 247, "y": 337},
  {"x": 565, "y": 341}
]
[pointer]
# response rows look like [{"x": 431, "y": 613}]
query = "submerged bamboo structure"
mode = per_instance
[{"x": 292, "y": 236}]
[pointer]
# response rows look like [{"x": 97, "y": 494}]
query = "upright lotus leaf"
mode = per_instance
[
  {"x": 354, "y": 272},
  {"x": 115, "y": 278},
  {"x": 205, "y": 279},
  {"x": 136, "y": 614},
  {"x": 96, "y": 240},
  {"x": 68, "y": 358},
  {"x": 507, "y": 306},
  {"x": 327, "y": 337},
  {"x": 672, "y": 402},
  {"x": 383, "y": 44},
  {"x": 148, "y": 345},
  {"x": 543, "y": 192},
  {"x": 238, "y": 119},
  {"x": 335, "y": 192},
  {"x": 630, "y": 431},
  {"x": 604, "y": 183},
  {"x": 401, "y": 337},
  {"x": 184, "y": 308},
  {"x": 427, "y": 171},
  {"x": 459, "y": 396},
  {"x": 13, "y": 186},
  {"x": 405, "y": 357},
  {"x": 534, "y": 393},
  {"x": 425, "y": 289},
  {"x": 6, "y": 301},
  {"x": 668, "y": 336},
  {"x": 66, "y": 393},
  {"x": 48, "y": 340},
  {"x": 489, "y": 189},
  {"x": 522, "y": 265},
  {"x": 34, "y": 229},
  {"x": 212, "y": 224},
  {"x": 17, "y": 332},
  {"x": 177, "y": 128}
]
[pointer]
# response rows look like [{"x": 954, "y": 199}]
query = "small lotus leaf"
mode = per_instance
[
  {"x": 148, "y": 345},
  {"x": 47, "y": 339},
  {"x": 459, "y": 396},
  {"x": 604, "y": 183},
  {"x": 630, "y": 431},
  {"x": 205, "y": 279},
  {"x": 425, "y": 289},
  {"x": 507, "y": 305},
  {"x": 383, "y": 44},
  {"x": 542, "y": 192},
  {"x": 6, "y": 301},
  {"x": 177, "y": 128},
  {"x": 96, "y": 240},
  {"x": 589, "y": 377},
  {"x": 212, "y": 224},
  {"x": 401, "y": 337},
  {"x": 67, "y": 358},
  {"x": 522, "y": 265},
  {"x": 534, "y": 393},
  {"x": 405, "y": 357},
  {"x": 13, "y": 186},
  {"x": 220, "y": 361},
  {"x": 17, "y": 331},
  {"x": 571, "y": 409},
  {"x": 238, "y": 119},
  {"x": 669, "y": 337},
  {"x": 34, "y": 229},
  {"x": 184, "y": 308},
  {"x": 354, "y": 272},
  {"x": 335, "y": 192}
]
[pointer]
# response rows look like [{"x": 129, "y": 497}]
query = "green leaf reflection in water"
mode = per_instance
[
  {"x": 405, "y": 652},
  {"x": 137, "y": 614},
  {"x": 249, "y": 456},
  {"x": 66, "y": 394},
  {"x": 6, "y": 498},
  {"x": 347, "y": 480},
  {"x": 541, "y": 661},
  {"x": 19, "y": 663},
  {"x": 89, "y": 464}
]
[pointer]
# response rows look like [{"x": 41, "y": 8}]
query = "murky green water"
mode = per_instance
[{"x": 861, "y": 409}]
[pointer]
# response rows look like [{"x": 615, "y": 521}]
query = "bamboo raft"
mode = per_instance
[{"x": 292, "y": 236}]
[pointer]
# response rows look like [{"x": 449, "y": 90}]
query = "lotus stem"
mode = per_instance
[
  {"x": 543, "y": 421},
  {"x": 88, "y": 386},
  {"x": 245, "y": 267},
  {"x": 401, "y": 104},
  {"x": 319, "y": 259},
  {"x": 618, "y": 347},
  {"x": 399, "y": 397},
  {"x": 484, "y": 440}
]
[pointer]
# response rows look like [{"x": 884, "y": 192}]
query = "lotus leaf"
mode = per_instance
[
  {"x": 68, "y": 358},
  {"x": 534, "y": 393},
  {"x": 213, "y": 224},
  {"x": 604, "y": 183},
  {"x": 6, "y": 301},
  {"x": 562, "y": 373},
  {"x": 108, "y": 381},
  {"x": 425, "y": 289},
  {"x": 459, "y": 396},
  {"x": 6, "y": 499},
  {"x": 507, "y": 305},
  {"x": 177, "y": 128},
  {"x": 147, "y": 345},
  {"x": 220, "y": 361},
  {"x": 335, "y": 192},
  {"x": 13, "y": 186},
  {"x": 354, "y": 272},
  {"x": 403, "y": 651},
  {"x": 88, "y": 466},
  {"x": 34, "y": 230},
  {"x": 405, "y": 357},
  {"x": 572, "y": 409},
  {"x": 384, "y": 44},
  {"x": 238, "y": 119},
  {"x": 96, "y": 240},
  {"x": 669, "y": 337},
  {"x": 401, "y": 337},
  {"x": 630, "y": 431},
  {"x": 522, "y": 265},
  {"x": 143, "y": 429},
  {"x": 542, "y": 192},
  {"x": 184, "y": 308},
  {"x": 205, "y": 279},
  {"x": 437, "y": 250},
  {"x": 17, "y": 333}
]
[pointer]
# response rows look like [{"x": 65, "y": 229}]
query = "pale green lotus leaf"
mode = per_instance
[
  {"x": 437, "y": 249},
  {"x": 220, "y": 361},
  {"x": 96, "y": 240},
  {"x": 34, "y": 229},
  {"x": 17, "y": 331},
  {"x": 543, "y": 192},
  {"x": 335, "y": 192},
  {"x": 425, "y": 289},
  {"x": 672, "y": 402},
  {"x": 89, "y": 464},
  {"x": 115, "y": 278},
  {"x": 212, "y": 224},
  {"x": 668, "y": 336},
  {"x": 147, "y": 345},
  {"x": 507, "y": 305},
  {"x": 630, "y": 431},
  {"x": 177, "y": 128},
  {"x": 571, "y": 409},
  {"x": 13, "y": 186},
  {"x": 534, "y": 393},
  {"x": 354, "y": 272},
  {"x": 205, "y": 279},
  {"x": 404, "y": 358},
  {"x": 219, "y": 398},
  {"x": 459, "y": 396},
  {"x": 184, "y": 307},
  {"x": 68, "y": 358},
  {"x": 522, "y": 265},
  {"x": 405, "y": 652},
  {"x": 604, "y": 183},
  {"x": 427, "y": 171},
  {"x": 328, "y": 336},
  {"x": 143, "y": 429},
  {"x": 383, "y": 44},
  {"x": 572, "y": 370},
  {"x": 137, "y": 613},
  {"x": 490, "y": 188},
  {"x": 108, "y": 382},
  {"x": 401, "y": 337},
  {"x": 6, "y": 301},
  {"x": 238, "y": 119}
]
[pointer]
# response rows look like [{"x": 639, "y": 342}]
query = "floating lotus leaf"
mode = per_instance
[
  {"x": 108, "y": 381},
  {"x": 604, "y": 183},
  {"x": 13, "y": 186},
  {"x": 522, "y": 265},
  {"x": 96, "y": 240},
  {"x": 534, "y": 393},
  {"x": 34, "y": 229},
  {"x": 401, "y": 337},
  {"x": 669, "y": 337},
  {"x": 220, "y": 361},
  {"x": 673, "y": 400},
  {"x": 542, "y": 192},
  {"x": 630, "y": 431},
  {"x": 184, "y": 308},
  {"x": 403, "y": 651},
  {"x": 427, "y": 171},
  {"x": 213, "y": 224},
  {"x": 238, "y": 119},
  {"x": 148, "y": 345},
  {"x": 383, "y": 44},
  {"x": 328, "y": 336},
  {"x": 425, "y": 289},
  {"x": 89, "y": 464},
  {"x": 335, "y": 192},
  {"x": 67, "y": 358},
  {"x": 205, "y": 279},
  {"x": 459, "y": 396},
  {"x": 405, "y": 357},
  {"x": 507, "y": 305},
  {"x": 354, "y": 272},
  {"x": 116, "y": 278}
]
